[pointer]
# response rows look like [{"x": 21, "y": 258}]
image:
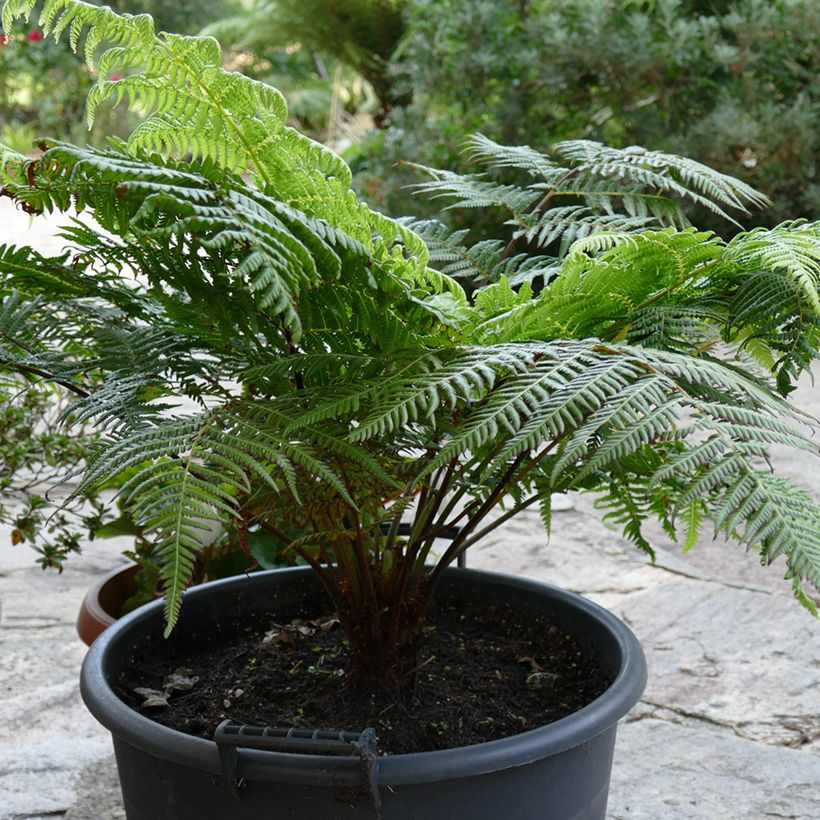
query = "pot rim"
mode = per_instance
[
  {"x": 401, "y": 769},
  {"x": 93, "y": 618}
]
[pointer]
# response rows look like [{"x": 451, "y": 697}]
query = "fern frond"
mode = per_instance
[
  {"x": 191, "y": 105},
  {"x": 481, "y": 263},
  {"x": 665, "y": 173},
  {"x": 770, "y": 317},
  {"x": 474, "y": 191},
  {"x": 792, "y": 249},
  {"x": 187, "y": 475},
  {"x": 569, "y": 223},
  {"x": 487, "y": 152},
  {"x": 582, "y": 191}
]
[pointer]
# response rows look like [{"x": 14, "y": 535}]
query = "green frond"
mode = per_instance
[
  {"x": 279, "y": 251},
  {"x": 12, "y": 165},
  {"x": 126, "y": 399},
  {"x": 567, "y": 224},
  {"x": 792, "y": 249},
  {"x": 665, "y": 173},
  {"x": 625, "y": 507},
  {"x": 398, "y": 401},
  {"x": 191, "y": 105},
  {"x": 481, "y": 149},
  {"x": 481, "y": 263},
  {"x": 770, "y": 317},
  {"x": 474, "y": 191},
  {"x": 188, "y": 475},
  {"x": 584, "y": 196}
]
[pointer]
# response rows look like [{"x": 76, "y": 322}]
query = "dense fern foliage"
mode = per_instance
[
  {"x": 761, "y": 293},
  {"x": 576, "y": 189},
  {"x": 272, "y": 354}
]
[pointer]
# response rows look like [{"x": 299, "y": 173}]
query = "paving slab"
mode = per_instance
[{"x": 728, "y": 727}]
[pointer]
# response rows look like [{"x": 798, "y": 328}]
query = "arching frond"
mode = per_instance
[
  {"x": 792, "y": 249},
  {"x": 582, "y": 191},
  {"x": 474, "y": 191},
  {"x": 667, "y": 174},
  {"x": 191, "y": 105}
]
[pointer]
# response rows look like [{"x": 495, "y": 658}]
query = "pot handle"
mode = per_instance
[{"x": 231, "y": 737}]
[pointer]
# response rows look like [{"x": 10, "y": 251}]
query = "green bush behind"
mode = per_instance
[{"x": 735, "y": 85}]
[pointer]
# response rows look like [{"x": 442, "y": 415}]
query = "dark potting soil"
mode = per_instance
[{"x": 484, "y": 673}]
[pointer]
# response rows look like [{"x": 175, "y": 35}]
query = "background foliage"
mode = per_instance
[
  {"x": 732, "y": 83},
  {"x": 331, "y": 60}
]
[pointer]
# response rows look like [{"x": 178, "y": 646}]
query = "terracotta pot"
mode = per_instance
[{"x": 102, "y": 603}]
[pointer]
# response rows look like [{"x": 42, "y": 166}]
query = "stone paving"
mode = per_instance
[{"x": 729, "y": 726}]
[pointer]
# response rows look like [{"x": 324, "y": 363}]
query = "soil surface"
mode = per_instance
[{"x": 484, "y": 673}]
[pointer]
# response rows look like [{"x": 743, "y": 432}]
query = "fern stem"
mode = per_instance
[
  {"x": 427, "y": 511},
  {"x": 33, "y": 371},
  {"x": 540, "y": 206},
  {"x": 456, "y": 547},
  {"x": 497, "y": 522}
]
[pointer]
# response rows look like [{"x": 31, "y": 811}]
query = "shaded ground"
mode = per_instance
[{"x": 729, "y": 726}]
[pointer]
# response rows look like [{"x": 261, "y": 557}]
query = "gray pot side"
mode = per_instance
[{"x": 557, "y": 772}]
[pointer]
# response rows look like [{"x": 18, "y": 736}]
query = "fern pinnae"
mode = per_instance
[
  {"x": 793, "y": 248},
  {"x": 644, "y": 410}
]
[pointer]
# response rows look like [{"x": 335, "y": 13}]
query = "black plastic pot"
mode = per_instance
[{"x": 558, "y": 772}]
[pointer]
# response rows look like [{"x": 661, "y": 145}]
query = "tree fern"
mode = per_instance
[{"x": 331, "y": 371}]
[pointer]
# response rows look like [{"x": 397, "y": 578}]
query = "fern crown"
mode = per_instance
[{"x": 282, "y": 352}]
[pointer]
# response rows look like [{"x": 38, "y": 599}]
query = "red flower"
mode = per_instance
[
  {"x": 35, "y": 35},
  {"x": 3, "y": 39},
  {"x": 115, "y": 78}
]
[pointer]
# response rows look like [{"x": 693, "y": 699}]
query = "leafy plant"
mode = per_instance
[
  {"x": 284, "y": 359},
  {"x": 36, "y": 456},
  {"x": 43, "y": 85}
]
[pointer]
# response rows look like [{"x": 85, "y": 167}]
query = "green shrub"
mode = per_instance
[{"x": 735, "y": 85}]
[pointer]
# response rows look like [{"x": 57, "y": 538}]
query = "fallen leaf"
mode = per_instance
[
  {"x": 536, "y": 667},
  {"x": 278, "y": 636},
  {"x": 326, "y": 624},
  {"x": 153, "y": 698},
  {"x": 303, "y": 627},
  {"x": 180, "y": 680}
]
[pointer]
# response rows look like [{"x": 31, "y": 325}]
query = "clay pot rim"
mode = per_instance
[{"x": 95, "y": 616}]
